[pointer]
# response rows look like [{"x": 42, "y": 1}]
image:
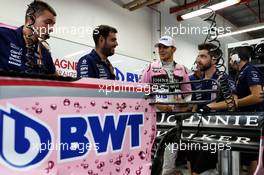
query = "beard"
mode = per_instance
[
  {"x": 234, "y": 66},
  {"x": 107, "y": 51},
  {"x": 204, "y": 68}
]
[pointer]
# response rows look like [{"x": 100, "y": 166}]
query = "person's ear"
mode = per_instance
[
  {"x": 28, "y": 21},
  {"x": 174, "y": 49},
  {"x": 101, "y": 40},
  {"x": 214, "y": 60}
]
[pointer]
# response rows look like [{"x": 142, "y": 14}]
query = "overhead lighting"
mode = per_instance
[
  {"x": 209, "y": 9},
  {"x": 244, "y": 30}
]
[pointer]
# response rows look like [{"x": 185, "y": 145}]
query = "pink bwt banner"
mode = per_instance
[{"x": 74, "y": 128}]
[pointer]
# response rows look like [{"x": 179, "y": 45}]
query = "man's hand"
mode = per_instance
[
  {"x": 164, "y": 108},
  {"x": 204, "y": 109},
  {"x": 180, "y": 107}
]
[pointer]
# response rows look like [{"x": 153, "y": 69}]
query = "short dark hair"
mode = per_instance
[
  {"x": 244, "y": 52},
  {"x": 102, "y": 30},
  {"x": 212, "y": 49},
  {"x": 37, "y": 7}
]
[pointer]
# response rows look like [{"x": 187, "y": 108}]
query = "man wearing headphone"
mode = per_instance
[
  {"x": 24, "y": 49},
  {"x": 249, "y": 81},
  {"x": 249, "y": 86}
]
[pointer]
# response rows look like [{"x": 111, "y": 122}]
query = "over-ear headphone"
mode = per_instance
[
  {"x": 259, "y": 51},
  {"x": 241, "y": 53},
  {"x": 235, "y": 58}
]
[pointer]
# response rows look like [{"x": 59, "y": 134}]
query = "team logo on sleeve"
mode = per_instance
[{"x": 84, "y": 61}]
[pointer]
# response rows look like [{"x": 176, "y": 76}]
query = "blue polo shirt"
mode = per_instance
[
  {"x": 91, "y": 66},
  {"x": 204, "y": 160},
  {"x": 13, "y": 54},
  {"x": 210, "y": 85},
  {"x": 195, "y": 86},
  {"x": 248, "y": 76}
]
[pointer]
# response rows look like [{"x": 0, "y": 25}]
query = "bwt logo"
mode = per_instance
[
  {"x": 74, "y": 130},
  {"x": 20, "y": 132},
  {"x": 128, "y": 76}
]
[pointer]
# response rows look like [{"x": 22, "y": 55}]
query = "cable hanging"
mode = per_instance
[
  {"x": 212, "y": 37},
  {"x": 37, "y": 67}
]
